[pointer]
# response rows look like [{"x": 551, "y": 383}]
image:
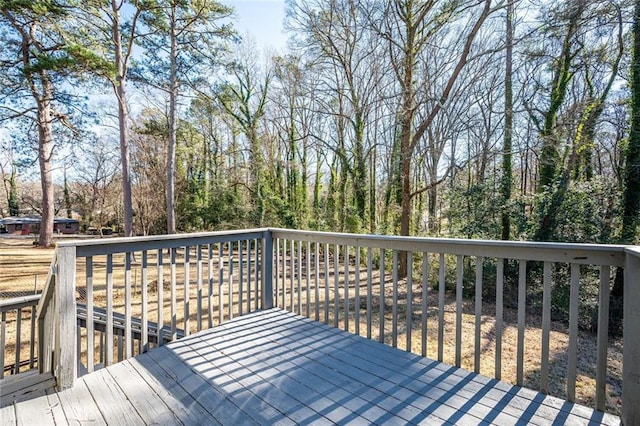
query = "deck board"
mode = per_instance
[{"x": 274, "y": 367}]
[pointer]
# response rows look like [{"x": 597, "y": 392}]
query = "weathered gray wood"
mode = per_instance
[
  {"x": 326, "y": 284},
  {"x": 15, "y": 387},
  {"x": 199, "y": 288},
  {"x": 441, "y": 289},
  {"x": 128, "y": 340},
  {"x": 160, "y": 290},
  {"x": 346, "y": 288},
  {"x": 572, "y": 353},
  {"x": 210, "y": 284},
  {"x": 299, "y": 278},
  {"x": 546, "y": 327},
  {"x": 266, "y": 272},
  {"x": 478, "y": 312},
  {"x": 394, "y": 301},
  {"x": 3, "y": 333},
  {"x": 283, "y": 304},
  {"x": 585, "y": 254},
  {"x": 522, "y": 303},
  {"x": 65, "y": 361},
  {"x": 138, "y": 393},
  {"x": 231, "y": 278},
  {"x": 34, "y": 411},
  {"x": 173, "y": 290},
  {"x": 220, "y": 284},
  {"x": 292, "y": 275},
  {"x": 8, "y": 415},
  {"x": 499, "y": 314},
  {"x": 278, "y": 275},
  {"x": 631, "y": 349},
  {"x": 381, "y": 297},
  {"x": 459, "y": 272},
  {"x": 369, "y": 288},
  {"x": 336, "y": 286},
  {"x": 79, "y": 406},
  {"x": 357, "y": 290},
  {"x": 603, "y": 338},
  {"x": 183, "y": 405},
  {"x": 316, "y": 281},
  {"x": 187, "y": 290},
  {"x": 144, "y": 341},
  {"x": 113, "y": 403},
  {"x": 240, "y": 278},
  {"x": 32, "y": 333},
  {"x": 409, "y": 318},
  {"x": 264, "y": 260},
  {"x": 425, "y": 300},
  {"x": 90, "y": 334},
  {"x": 18, "y": 343}
]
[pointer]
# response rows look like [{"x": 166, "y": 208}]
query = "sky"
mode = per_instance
[{"x": 263, "y": 19}]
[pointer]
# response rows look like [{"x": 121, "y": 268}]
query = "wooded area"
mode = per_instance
[{"x": 478, "y": 118}]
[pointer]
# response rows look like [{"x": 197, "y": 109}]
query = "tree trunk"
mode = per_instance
[
  {"x": 631, "y": 195},
  {"x": 506, "y": 181},
  {"x": 173, "y": 124},
  {"x": 45, "y": 158},
  {"x": 123, "y": 117}
]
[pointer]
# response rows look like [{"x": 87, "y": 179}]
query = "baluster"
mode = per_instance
[
  {"x": 381, "y": 297},
  {"x": 210, "y": 282},
  {"x": 357, "y": 290},
  {"x": 220, "y": 284},
  {"x": 546, "y": 327},
  {"x": 394, "y": 303},
  {"x": 109, "y": 321},
  {"x": 187, "y": 290},
  {"x": 346, "y": 288},
  {"x": 425, "y": 301},
  {"x": 522, "y": 294},
  {"x": 90, "y": 324},
  {"x": 145, "y": 301},
  {"x": 369, "y": 285},
  {"x": 499, "y": 313},
  {"x": 199, "y": 286},
  {"x": 16, "y": 367},
  {"x": 3, "y": 333},
  {"x": 230, "y": 245},
  {"x": 326, "y": 283},
  {"x": 603, "y": 338},
  {"x": 574, "y": 301},
  {"x": 128, "y": 341},
  {"x": 336, "y": 289},
  {"x": 240, "y": 277},
  {"x": 308, "y": 278},
  {"x": 441, "y": 288},
  {"x": 409, "y": 299},
  {"x": 299, "y": 277},
  {"x": 316, "y": 259},
  {"x": 459, "y": 275},
  {"x": 173, "y": 295},
  {"x": 478, "y": 301}
]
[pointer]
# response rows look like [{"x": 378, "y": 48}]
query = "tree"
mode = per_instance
[
  {"x": 506, "y": 181},
  {"x": 40, "y": 55},
  {"x": 185, "y": 43}
]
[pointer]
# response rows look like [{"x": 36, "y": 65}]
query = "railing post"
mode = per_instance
[
  {"x": 267, "y": 270},
  {"x": 65, "y": 362},
  {"x": 631, "y": 336}
]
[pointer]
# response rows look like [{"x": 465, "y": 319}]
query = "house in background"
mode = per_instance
[{"x": 31, "y": 225}]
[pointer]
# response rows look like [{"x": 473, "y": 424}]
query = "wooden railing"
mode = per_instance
[
  {"x": 13, "y": 314},
  {"x": 355, "y": 282},
  {"x": 110, "y": 299},
  {"x": 148, "y": 290}
]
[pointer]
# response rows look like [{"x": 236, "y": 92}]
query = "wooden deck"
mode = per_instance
[{"x": 273, "y": 367}]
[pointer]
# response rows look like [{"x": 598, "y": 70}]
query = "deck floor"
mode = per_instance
[{"x": 274, "y": 367}]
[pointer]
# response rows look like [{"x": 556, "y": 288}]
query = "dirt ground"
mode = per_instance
[{"x": 23, "y": 268}]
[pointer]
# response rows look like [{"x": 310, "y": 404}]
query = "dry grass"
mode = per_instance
[{"x": 19, "y": 259}]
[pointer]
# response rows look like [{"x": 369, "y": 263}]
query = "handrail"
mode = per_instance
[
  {"x": 7, "y": 305},
  {"x": 587, "y": 254}
]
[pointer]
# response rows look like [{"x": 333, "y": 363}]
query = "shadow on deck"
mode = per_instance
[{"x": 274, "y": 367}]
